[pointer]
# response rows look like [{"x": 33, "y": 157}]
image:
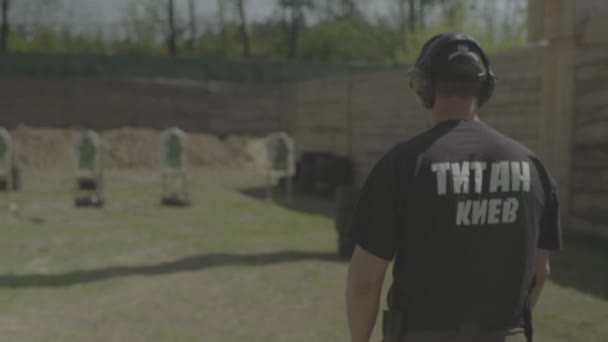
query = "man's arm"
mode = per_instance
[
  {"x": 543, "y": 270},
  {"x": 363, "y": 290}
]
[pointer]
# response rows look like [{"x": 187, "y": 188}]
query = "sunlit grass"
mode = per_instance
[{"x": 231, "y": 268}]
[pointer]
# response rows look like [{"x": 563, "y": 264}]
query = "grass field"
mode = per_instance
[{"x": 232, "y": 268}]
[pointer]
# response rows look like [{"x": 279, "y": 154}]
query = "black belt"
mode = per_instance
[
  {"x": 466, "y": 325},
  {"x": 395, "y": 327}
]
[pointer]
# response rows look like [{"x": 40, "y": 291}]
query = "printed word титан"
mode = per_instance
[{"x": 504, "y": 177}]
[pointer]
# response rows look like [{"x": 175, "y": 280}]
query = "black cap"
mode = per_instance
[{"x": 458, "y": 61}]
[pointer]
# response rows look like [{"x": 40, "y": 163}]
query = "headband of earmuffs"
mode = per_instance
[{"x": 421, "y": 75}]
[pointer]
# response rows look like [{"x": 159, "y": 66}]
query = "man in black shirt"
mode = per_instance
[{"x": 468, "y": 215}]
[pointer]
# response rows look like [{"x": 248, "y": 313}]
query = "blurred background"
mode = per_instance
[
  {"x": 354, "y": 31},
  {"x": 244, "y": 262}
]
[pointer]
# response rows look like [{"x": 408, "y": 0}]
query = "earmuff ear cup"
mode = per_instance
[
  {"x": 487, "y": 90},
  {"x": 422, "y": 86}
]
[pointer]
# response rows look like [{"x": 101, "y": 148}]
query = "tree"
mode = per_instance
[
  {"x": 412, "y": 13},
  {"x": 193, "y": 25},
  {"x": 4, "y": 28},
  {"x": 144, "y": 24},
  {"x": 402, "y": 25},
  {"x": 489, "y": 17},
  {"x": 240, "y": 6},
  {"x": 350, "y": 39},
  {"x": 348, "y": 7},
  {"x": 422, "y": 12},
  {"x": 152, "y": 25},
  {"x": 402, "y": 19},
  {"x": 329, "y": 9},
  {"x": 223, "y": 40},
  {"x": 423, "y": 5},
  {"x": 452, "y": 9},
  {"x": 296, "y": 22},
  {"x": 172, "y": 36}
]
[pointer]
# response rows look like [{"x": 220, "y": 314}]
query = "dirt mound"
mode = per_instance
[
  {"x": 45, "y": 148},
  {"x": 42, "y": 148}
]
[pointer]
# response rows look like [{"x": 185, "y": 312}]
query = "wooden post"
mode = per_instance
[
  {"x": 269, "y": 187},
  {"x": 552, "y": 23},
  {"x": 6, "y": 159},
  {"x": 289, "y": 191}
]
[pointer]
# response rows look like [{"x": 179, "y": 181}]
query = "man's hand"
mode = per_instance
[
  {"x": 543, "y": 270},
  {"x": 364, "y": 287}
]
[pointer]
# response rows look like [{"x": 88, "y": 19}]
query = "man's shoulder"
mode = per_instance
[
  {"x": 414, "y": 145},
  {"x": 440, "y": 138},
  {"x": 508, "y": 142}
]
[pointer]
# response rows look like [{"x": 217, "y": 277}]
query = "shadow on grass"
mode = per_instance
[
  {"x": 307, "y": 203},
  {"x": 582, "y": 265},
  {"x": 189, "y": 264}
]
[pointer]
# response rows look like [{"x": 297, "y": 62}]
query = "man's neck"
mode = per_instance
[{"x": 450, "y": 109}]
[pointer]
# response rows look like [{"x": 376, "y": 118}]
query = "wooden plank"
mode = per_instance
[
  {"x": 376, "y": 126},
  {"x": 392, "y": 76},
  {"x": 320, "y": 90},
  {"x": 508, "y": 84},
  {"x": 376, "y": 95},
  {"x": 322, "y": 142},
  {"x": 378, "y": 103},
  {"x": 592, "y": 156},
  {"x": 591, "y": 55},
  {"x": 318, "y": 110},
  {"x": 375, "y": 117},
  {"x": 322, "y": 101},
  {"x": 592, "y": 71},
  {"x": 583, "y": 223},
  {"x": 325, "y": 121},
  {"x": 587, "y": 114},
  {"x": 585, "y": 86},
  {"x": 591, "y": 133},
  {"x": 590, "y": 180},
  {"x": 516, "y": 62},
  {"x": 590, "y": 8},
  {"x": 318, "y": 128},
  {"x": 595, "y": 30},
  {"x": 590, "y": 201},
  {"x": 598, "y": 96},
  {"x": 509, "y": 109},
  {"x": 592, "y": 215},
  {"x": 519, "y": 98},
  {"x": 511, "y": 114},
  {"x": 589, "y": 164},
  {"x": 380, "y": 140}
]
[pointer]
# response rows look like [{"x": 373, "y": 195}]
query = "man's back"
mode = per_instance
[
  {"x": 469, "y": 216},
  {"x": 468, "y": 207}
]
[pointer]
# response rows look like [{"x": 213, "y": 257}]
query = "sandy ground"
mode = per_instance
[{"x": 45, "y": 149}]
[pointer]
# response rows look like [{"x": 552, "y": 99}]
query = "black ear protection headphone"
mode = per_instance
[{"x": 421, "y": 80}]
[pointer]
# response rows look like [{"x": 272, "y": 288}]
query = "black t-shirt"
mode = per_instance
[{"x": 462, "y": 209}]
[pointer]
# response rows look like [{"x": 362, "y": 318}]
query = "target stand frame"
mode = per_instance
[
  {"x": 173, "y": 170},
  {"x": 89, "y": 185},
  {"x": 89, "y": 191},
  {"x": 178, "y": 195}
]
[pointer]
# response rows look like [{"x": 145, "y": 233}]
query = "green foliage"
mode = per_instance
[
  {"x": 343, "y": 39},
  {"x": 346, "y": 36},
  {"x": 460, "y": 22}
]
